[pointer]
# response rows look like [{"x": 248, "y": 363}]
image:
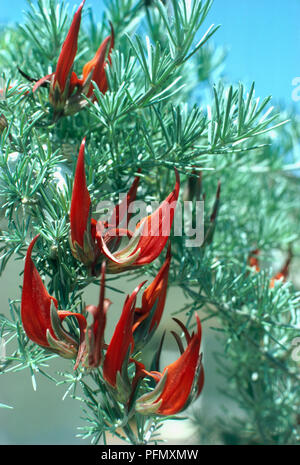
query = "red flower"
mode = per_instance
[
  {"x": 41, "y": 320},
  {"x": 64, "y": 81},
  {"x": 149, "y": 238},
  {"x": 83, "y": 241},
  {"x": 116, "y": 360},
  {"x": 179, "y": 383},
  {"x": 90, "y": 239}
]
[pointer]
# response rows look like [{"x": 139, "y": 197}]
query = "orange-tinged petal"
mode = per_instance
[
  {"x": 253, "y": 260},
  {"x": 97, "y": 64},
  {"x": 283, "y": 273},
  {"x": 74, "y": 82}
]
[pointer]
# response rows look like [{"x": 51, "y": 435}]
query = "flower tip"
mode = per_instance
[
  {"x": 112, "y": 36},
  {"x": 29, "y": 250},
  {"x": 82, "y": 145},
  {"x": 81, "y": 5},
  {"x": 137, "y": 290},
  {"x": 199, "y": 326}
]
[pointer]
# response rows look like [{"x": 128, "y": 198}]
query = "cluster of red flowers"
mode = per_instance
[
  {"x": 180, "y": 381},
  {"x": 97, "y": 244}
]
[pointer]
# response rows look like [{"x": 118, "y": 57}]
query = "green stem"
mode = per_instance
[{"x": 130, "y": 434}]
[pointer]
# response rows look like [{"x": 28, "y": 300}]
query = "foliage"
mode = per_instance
[{"x": 152, "y": 118}]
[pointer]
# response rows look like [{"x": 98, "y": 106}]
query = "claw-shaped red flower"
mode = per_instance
[
  {"x": 67, "y": 91},
  {"x": 84, "y": 244},
  {"x": 91, "y": 239},
  {"x": 147, "y": 241},
  {"x": 179, "y": 383},
  {"x": 41, "y": 320}
]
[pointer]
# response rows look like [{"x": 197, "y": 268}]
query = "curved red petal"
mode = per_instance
[
  {"x": 96, "y": 66},
  {"x": 99, "y": 73},
  {"x": 157, "y": 227},
  {"x": 68, "y": 51},
  {"x": 122, "y": 340},
  {"x": 81, "y": 201},
  {"x": 36, "y": 302},
  {"x": 157, "y": 292},
  {"x": 74, "y": 82},
  {"x": 41, "y": 81}
]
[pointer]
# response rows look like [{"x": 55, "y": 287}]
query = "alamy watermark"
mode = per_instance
[
  {"x": 296, "y": 90},
  {"x": 154, "y": 219},
  {"x": 296, "y": 350},
  {"x": 2, "y": 350}
]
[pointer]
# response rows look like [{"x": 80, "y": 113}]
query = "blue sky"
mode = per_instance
[{"x": 262, "y": 37}]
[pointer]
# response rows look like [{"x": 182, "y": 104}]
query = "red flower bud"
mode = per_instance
[{"x": 283, "y": 273}]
